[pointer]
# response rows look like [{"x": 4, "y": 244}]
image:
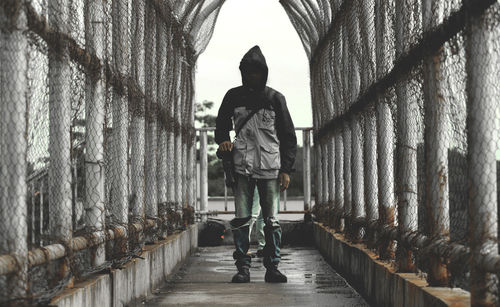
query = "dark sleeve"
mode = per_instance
[
  {"x": 223, "y": 122},
  {"x": 286, "y": 135}
]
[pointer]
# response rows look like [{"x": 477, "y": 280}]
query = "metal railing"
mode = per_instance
[
  {"x": 203, "y": 198},
  {"x": 405, "y": 99},
  {"x": 96, "y": 134}
]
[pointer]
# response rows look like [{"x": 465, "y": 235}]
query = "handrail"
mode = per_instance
[{"x": 203, "y": 173}]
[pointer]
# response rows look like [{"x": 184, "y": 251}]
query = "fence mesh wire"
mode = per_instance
[
  {"x": 408, "y": 90},
  {"x": 96, "y": 108}
]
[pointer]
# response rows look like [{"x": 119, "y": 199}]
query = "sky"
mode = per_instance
[{"x": 241, "y": 25}]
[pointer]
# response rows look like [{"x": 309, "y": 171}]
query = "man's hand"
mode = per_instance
[
  {"x": 284, "y": 181},
  {"x": 226, "y": 146}
]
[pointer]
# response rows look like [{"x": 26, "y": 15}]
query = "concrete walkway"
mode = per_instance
[{"x": 204, "y": 280}]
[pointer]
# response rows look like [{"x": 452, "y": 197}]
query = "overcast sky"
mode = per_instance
[{"x": 241, "y": 25}]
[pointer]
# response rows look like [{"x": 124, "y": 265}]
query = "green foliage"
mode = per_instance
[{"x": 202, "y": 119}]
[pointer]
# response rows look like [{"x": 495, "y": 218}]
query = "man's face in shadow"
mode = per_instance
[{"x": 254, "y": 78}]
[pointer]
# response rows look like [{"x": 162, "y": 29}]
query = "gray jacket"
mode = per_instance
[{"x": 256, "y": 150}]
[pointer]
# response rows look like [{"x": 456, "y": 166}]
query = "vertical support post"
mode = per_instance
[
  {"x": 13, "y": 147},
  {"x": 319, "y": 173},
  {"x": 137, "y": 135},
  {"x": 346, "y": 129},
  {"x": 339, "y": 180},
  {"x": 150, "y": 164},
  {"x": 177, "y": 116},
  {"x": 203, "y": 175},
  {"x": 436, "y": 144},
  {"x": 347, "y": 176},
  {"x": 94, "y": 134},
  {"x": 198, "y": 185},
  {"x": 60, "y": 124},
  {"x": 184, "y": 129},
  {"x": 190, "y": 144},
  {"x": 119, "y": 159},
  {"x": 324, "y": 171},
  {"x": 483, "y": 96},
  {"x": 306, "y": 139},
  {"x": 367, "y": 26},
  {"x": 331, "y": 180},
  {"x": 357, "y": 167},
  {"x": 385, "y": 130},
  {"x": 41, "y": 199},
  {"x": 161, "y": 77},
  {"x": 371, "y": 175},
  {"x": 32, "y": 223},
  {"x": 338, "y": 133},
  {"x": 171, "y": 126},
  {"x": 407, "y": 133}
]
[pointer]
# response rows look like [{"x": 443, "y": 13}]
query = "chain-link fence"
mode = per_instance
[
  {"x": 406, "y": 107},
  {"x": 97, "y": 151}
]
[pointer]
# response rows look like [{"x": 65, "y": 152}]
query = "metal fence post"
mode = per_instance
[
  {"x": 346, "y": 137},
  {"x": 324, "y": 172},
  {"x": 162, "y": 98},
  {"x": 60, "y": 209},
  {"x": 119, "y": 159},
  {"x": 338, "y": 133},
  {"x": 319, "y": 173},
  {"x": 94, "y": 134},
  {"x": 178, "y": 131},
  {"x": 184, "y": 122},
  {"x": 307, "y": 168},
  {"x": 137, "y": 135},
  {"x": 331, "y": 179},
  {"x": 171, "y": 130},
  {"x": 407, "y": 138},
  {"x": 385, "y": 130},
  {"x": 191, "y": 141},
  {"x": 483, "y": 96},
  {"x": 150, "y": 86},
  {"x": 436, "y": 144},
  {"x": 367, "y": 27},
  {"x": 357, "y": 169},
  {"x": 13, "y": 147},
  {"x": 203, "y": 175}
]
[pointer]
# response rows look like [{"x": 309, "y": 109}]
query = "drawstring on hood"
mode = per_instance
[{"x": 254, "y": 60}]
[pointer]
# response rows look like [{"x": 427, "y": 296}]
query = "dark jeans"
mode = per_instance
[{"x": 269, "y": 194}]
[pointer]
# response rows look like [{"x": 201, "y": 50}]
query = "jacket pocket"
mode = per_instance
[
  {"x": 269, "y": 156},
  {"x": 239, "y": 153},
  {"x": 267, "y": 119}
]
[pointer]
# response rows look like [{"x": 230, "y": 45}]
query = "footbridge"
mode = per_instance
[{"x": 100, "y": 158}]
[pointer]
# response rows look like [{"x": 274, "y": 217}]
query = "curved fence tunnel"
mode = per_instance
[{"x": 98, "y": 140}]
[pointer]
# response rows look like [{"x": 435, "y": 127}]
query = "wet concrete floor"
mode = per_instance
[{"x": 204, "y": 280}]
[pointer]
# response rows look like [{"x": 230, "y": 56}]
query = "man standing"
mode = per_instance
[{"x": 263, "y": 153}]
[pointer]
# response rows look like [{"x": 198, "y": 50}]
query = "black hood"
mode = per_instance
[{"x": 254, "y": 60}]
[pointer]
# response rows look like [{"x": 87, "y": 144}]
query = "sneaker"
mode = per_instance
[
  {"x": 242, "y": 276},
  {"x": 260, "y": 253},
  {"x": 273, "y": 275}
]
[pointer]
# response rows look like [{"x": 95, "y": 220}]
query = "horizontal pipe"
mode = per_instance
[
  {"x": 46, "y": 254},
  {"x": 213, "y": 129},
  {"x": 422, "y": 244},
  {"x": 281, "y": 212}
]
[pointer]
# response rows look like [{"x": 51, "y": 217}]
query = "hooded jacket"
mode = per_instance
[{"x": 267, "y": 143}]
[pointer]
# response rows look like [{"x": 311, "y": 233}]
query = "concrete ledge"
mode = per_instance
[
  {"x": 377, "y": 280},
  {"x": 136, "y": 279}
]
